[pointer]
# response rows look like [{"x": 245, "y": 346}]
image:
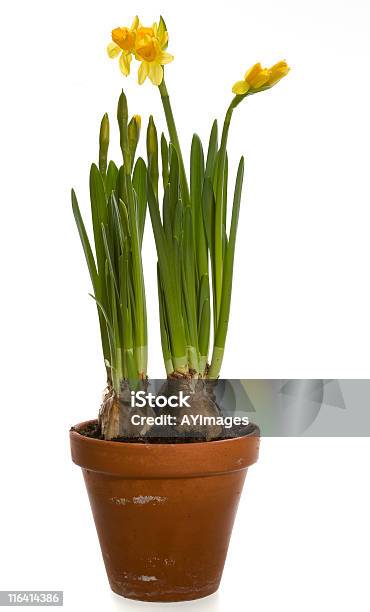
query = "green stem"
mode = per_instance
[
  {"x": 223, "y": 262},
  {"x": 215, "y": 367},
  {"x": 220, "y": 202},
  {"x": 175, "y": 140},
  {"x": 229, "y": 113}
]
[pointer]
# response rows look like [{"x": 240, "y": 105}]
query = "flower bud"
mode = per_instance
[
  {"x": 103, "y": 144},
  {"x": 258, "y": 79},
  {"x": 277, "y": 72},
  {"x": 122, "y": 118},
  {"x": 152, "y": 152},
  {"x": 134, "y": 135}
]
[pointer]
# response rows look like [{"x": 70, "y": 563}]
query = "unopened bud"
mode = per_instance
[
  {"x": 122, "y": 118},
  {"x": 152, "y": 152},
  {"x": 134, "y": 135},
  {"x": 103, "y": 144}
]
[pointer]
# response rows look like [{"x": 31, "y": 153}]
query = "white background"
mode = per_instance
[{"x": 301, "y": 298}]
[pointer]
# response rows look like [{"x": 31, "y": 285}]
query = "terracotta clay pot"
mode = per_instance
[{"x": 164, "y": 512}]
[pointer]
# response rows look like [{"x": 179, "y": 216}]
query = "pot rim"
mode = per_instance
[
  {"x": 75, "y": 430},
  {"x": 152, "y": 461}
]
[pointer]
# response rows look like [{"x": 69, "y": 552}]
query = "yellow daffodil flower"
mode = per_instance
[
  {"x": 259, "y": 79},
  {"x": 123, "y": 45},
  {"x": 254, "y": 78},
  {"x": 277, "y": 72},
  {"x": 150, "y": 48}
]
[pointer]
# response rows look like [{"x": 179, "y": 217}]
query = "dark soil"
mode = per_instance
[{"x": 93, "y": 431}]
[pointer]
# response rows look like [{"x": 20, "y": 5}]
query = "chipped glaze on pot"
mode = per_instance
[{"x": 164, "y": 512}]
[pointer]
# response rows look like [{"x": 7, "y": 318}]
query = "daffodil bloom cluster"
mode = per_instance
[
  {"x": 148, "y": 46},
  {"x": 258, "y": 78}
]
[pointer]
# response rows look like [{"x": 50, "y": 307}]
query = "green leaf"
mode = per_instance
[
  {"x": 174, "y": 182},
  {"x": 85, "y": 243},
  {"x": 173, "y": 304},
  {"x": 121, "y": 185},
  {"x": 212, "y": 151},
  {"x": 209, "y": 224},
  {"x": 165, "y": 160},
  {"x": 118, "y": 225},
  {"x": 204, "y": 329},
  {"x": 99, "y": 214},
  {"x": 226, "y": 178},
  {"x": 109, "y": 258},
  {"x": 124, "y": 219},
  {"x": 167, "y": 215},
  {"x": 136, "y": 265},
  {"x": 111, "y": 178},
  {"x": 165, "y": 339},
  {"x": 220, "y": 337},
  {"x": 196, "y": 191},
  {"x": 189, "y": 276},
  {"x": 109, "y": 330}
]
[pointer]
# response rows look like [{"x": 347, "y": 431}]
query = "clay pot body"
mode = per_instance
[{"x": 164, "y": 512}]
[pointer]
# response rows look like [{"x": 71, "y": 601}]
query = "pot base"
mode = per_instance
[{"x": 168, "y": 597}]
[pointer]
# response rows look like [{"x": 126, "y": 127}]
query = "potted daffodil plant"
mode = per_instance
[{"x": 164, "y": 500}]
